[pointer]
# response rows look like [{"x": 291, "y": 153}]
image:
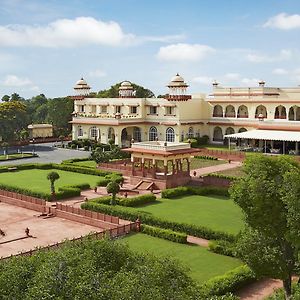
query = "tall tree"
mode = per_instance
[
  {"x": 5, "y": 98},
  {"x": 113, "y": 91},
  {"x": 268, "y": 198}
]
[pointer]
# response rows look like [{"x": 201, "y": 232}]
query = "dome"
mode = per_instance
[
  {"x": 81, "y": 84},
  {"x": 177, "y": 81},
  {"x": 125, "y": 85}
]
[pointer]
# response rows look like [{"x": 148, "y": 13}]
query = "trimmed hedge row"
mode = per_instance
[
  {"x": 229, "y": 282},
  {"x": 132, "y": 215},
  {"x": 222, "y": 247},
  {"x": 138, "y": 201},
  {"x": 166, "y": 234},
  {"x": 190, "y": 190},
  {"x": 110, "y": 177},
  {"x": 205, "y": 157},
  {"x": 223, "y": 176}
]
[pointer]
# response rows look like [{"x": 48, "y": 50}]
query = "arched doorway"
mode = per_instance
[
  {"x": 230, "y": 111},
  {"x": 218, "y": 111},
  {"x": 218, "y": 134},
  {"x": 280, "y": 112},
  {"x": 229, "y": 130},
  {"x": 94, "y": 133},
  {"x": 111, "y": 134},
  {"x": 137, "y": 136},
  {"x": 190, "y": 133},
  {"x": 242, "y": 111},
  {"x": 242, "y": 130},
  {"x": 261, "y": 111}
]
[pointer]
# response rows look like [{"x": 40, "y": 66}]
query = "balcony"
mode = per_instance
[
  {"x": 242, "y": 116},
  {"x": 217, "y": 115}
]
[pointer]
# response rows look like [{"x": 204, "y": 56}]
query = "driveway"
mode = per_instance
[{"x": 47, "y": 154}]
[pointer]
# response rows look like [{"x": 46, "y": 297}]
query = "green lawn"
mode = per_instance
[
  {"x": 86, "y": 163},
  {"x": 36, "y": 179},
  {"x": 15, "y": 156},
  {"x": 202, "y": 264},
  {"x": 215, "y": 212}
]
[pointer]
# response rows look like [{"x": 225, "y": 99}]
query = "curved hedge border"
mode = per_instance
[
  {"x": 229, "y": 282},
  {"x": 190, "y": 190},
  {"x": 132, "y": 215},
  {"x": 138, "y": 200},
  {"x": 166, "y": 234},
  {"x": 222, "y": 247}
]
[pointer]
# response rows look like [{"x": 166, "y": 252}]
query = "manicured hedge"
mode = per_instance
[
  {"x": 129, "y": 214},
  {"x": 205, "y": 157},
  {"x": 222, "y": 247},
  {"x": 110, "y": 177},
  {"x": 166, "y": 234},
  {"x": 189, "y": 190},
  {"x": 138, "y": 201},
  {"x": 223, "y": 176},
  {"x": 229, "y": 282},
  {"x": 67, "y": 192}
]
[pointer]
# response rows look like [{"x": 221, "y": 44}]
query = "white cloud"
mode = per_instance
[
  {"x": 97, "y": 73},
  {"x": 206, "y": 80},
  {"x": 280, "y": 71},
  {"x": 284, "y": 54},
  {"x": 284, "y": 21},
  {"x": 15, "y": 81},
  {"x": 81, "y": 31},
  {"x": 184, "y": 52}
]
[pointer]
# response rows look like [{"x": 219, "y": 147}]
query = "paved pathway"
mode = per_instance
[
  {"x": 216, "y": 168},
  {"x": 46, "y": 154},
  {"x": 197, "y": 241}
]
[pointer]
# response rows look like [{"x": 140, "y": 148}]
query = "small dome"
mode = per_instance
[
  {"x": 177, "y": 81},
  {"x": 126, "y": 83},
  {"x": 81, "y": 84}
]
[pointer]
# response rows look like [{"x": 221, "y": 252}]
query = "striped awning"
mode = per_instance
[{"x": 268, "y": 135}]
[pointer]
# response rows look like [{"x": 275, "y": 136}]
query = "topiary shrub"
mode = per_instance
[
  {"x": 138, "y": 201},
  {"x": 166, "y": 234}
]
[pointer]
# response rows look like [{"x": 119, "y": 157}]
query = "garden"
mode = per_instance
[{"x": 202, "y": 263}]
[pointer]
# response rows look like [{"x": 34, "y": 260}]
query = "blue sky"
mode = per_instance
[{"x": 47, "y": 45}]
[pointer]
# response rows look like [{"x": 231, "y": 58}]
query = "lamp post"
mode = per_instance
[{"x": 33, "y": 148}]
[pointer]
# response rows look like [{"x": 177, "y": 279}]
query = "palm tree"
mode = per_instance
[
  {"x": 113, "y": 188},
  {"x": 52, "y": 176}
]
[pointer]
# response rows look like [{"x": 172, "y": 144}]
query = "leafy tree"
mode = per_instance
[
  {"x": 16, "y": 97},
  {"x": 52, "y": 176},
  {"x": 113, "y": 188},
  {"x": 113, "y": 92},
  {"x": 269, "y": 198},
  {"x": 5, "y": 98}
]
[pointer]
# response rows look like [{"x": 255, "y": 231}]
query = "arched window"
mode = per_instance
[
  {"x": 79, "y": 131},
  {"x": 229, "y": 130},
  {"x": 137, "y": 134},
  {"x": 242, "y": 130},
  {"x": 93, "y": 132},
  {"x": 152, "y": 133},
  {"x": 170, "y": 135},
  {"x": 218, "y": 111},
  {"x": 230, "y": 111},
  {"x": 280, "y": 112},
  {"x": 218, "y": 134},
  {"x": 292, "y": 113},
  {"x": 261, "y": 111},
  {"x": 191, "y": 133},
  {"x": 242, "y": 112}
]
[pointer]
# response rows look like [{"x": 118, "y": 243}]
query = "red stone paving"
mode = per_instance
[
  {"x": 197, "y": 241},
  {"x": 216, "y": 168},
  {"x": 14, "y": 220}
]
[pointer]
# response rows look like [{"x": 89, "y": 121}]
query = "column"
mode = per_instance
[
  {"x": 143, "y": 166},
  {"x": 153, "y": 168},
  {"x": 173, "y": 168},
  {"x": 132, "y": 165},
  {"x": 188, "y": 165},
  {"x": 165, "y": 168},
  {"x": 180, "y": 165}
]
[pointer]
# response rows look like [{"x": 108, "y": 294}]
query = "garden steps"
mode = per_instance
[{"x": 144, "y": 185}]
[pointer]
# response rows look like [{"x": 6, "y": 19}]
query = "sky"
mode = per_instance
[{"x": 47, "y": 45}]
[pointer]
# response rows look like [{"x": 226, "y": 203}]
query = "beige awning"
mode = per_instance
[{"x": 268, "y": 135}]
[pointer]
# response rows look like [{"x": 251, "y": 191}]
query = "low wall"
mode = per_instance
[
  {"x": 223, "y": 154},
  {"x": 85, "y": 216},
  {"x": 24, "y": 201},
  {"x": 216, "y": 181}
]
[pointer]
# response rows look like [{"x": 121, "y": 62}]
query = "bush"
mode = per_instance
[
  {"x": 67, "y": 192},
  {"x": 205, "y": 157},
  {"x": 166, "y": 234},
  {"x": 222, "y": 247},
  {"x": 138, "y": 201},
  {"x": 223, "y": 176},
  {"x": 189, "y": 190},
  {"x": 229, "y": 282},
  {"x": 105, "y": 200},
  {"x": 132, "y": 215},
  {"x": 103, "y": 181}
]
